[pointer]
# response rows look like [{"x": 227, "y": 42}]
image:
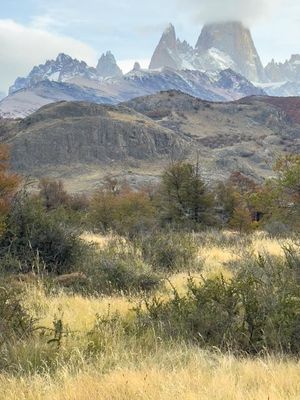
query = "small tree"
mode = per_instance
[
  {"x": 53, "y": 193},
  {"x": 279, "y": 199},
  {"x": 237, "y": 197},
  {"x": 125, "y": 211},
  {"x": 241, "y": 219},
  {"x": 9, "y": 183},
  {"x": 184, "y": 195}
]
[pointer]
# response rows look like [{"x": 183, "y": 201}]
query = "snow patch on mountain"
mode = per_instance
[
  {"x": 219, "y": 47},
  {"x": 223, "y": 86}
]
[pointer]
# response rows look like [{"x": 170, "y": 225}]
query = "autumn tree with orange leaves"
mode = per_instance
[{"x": 9, "y": 184}]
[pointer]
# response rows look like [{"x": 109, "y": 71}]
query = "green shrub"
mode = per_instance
[
  {"x": 257, "y": 310},
  {"x": 170, "y": 251},
  {"x": 15, "y": 322},
  {"x": 128, "y": 213},
  {"x": 120, "y": 268},
  {"x": 33, "y": 233}
]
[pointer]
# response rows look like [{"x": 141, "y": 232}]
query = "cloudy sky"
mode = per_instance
[{"x": 32, "y": 31}]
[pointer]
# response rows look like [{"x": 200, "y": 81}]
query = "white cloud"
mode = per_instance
[
  {"x": 247, "y": 11},
  {"x": 23, "y": 47}
]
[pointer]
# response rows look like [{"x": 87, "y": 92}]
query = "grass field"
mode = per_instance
[{"x": 121, "y": 367}]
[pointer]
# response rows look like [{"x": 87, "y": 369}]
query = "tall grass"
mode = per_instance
[{"x": 103, "y": 355}]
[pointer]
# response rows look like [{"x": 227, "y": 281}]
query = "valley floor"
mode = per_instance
[{"x": 117, "y": 367}]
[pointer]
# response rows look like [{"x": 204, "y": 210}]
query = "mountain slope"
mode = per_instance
[
  {"x": 224, "y": 86},
  {"x": 81, "y": 142},
  {"x": 245, "y": 135},
  {"x": 66, "y": 133}
]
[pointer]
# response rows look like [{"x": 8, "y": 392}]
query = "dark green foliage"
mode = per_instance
[
  {"x": 120, "y": 268},
  {"x": 170, "y": 251},
  {"x": 15, "y": 322},
  {"x": 257, "y": 310},
  {"x": 35, "y": 234},
  {"x": 185, "y": 199}
]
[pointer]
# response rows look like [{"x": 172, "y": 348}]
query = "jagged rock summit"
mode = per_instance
[
  {"x": 107, "y": 66},
  {"x": 62, "y": 69},
  {"x": 234, "y": 40},
  {"x": 65, "y": 68},
  {"x": 287, "y": 71},
  {"x": 220, "y": 46},
  {"x": 165, "y": 54}
]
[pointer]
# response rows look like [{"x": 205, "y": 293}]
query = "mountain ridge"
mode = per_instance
[
  {"x": 219, "y": 46},
  {"x": 223, "y": 86},
  {"x": 221, "y": 67},
  {"x": 82, "y": 142}
]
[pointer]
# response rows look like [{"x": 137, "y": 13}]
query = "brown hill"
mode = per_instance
[
  {"x": 82, "y": 142},
  {"x": 289, "y": 105}
]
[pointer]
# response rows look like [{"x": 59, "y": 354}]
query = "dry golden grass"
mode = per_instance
[
  {"x": 78, "y": 312},
  {"x": 201, "y": 377},
  {"x": 97, "y": 240},
  {"x": 262, "y": 244},
  {"x": 127, "y": 370},
  {"x": 216, "y": 259}
]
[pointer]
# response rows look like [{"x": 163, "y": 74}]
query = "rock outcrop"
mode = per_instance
[
  {"x": 234, "y": 40},
  {"x": 136, "y": 67},
  {"x": 220, "y": 46},
  {"x": 81, "y": 141},
  {"x": 64, "y": 134},
  {"x": 287, "y": 71},
  {"x": 107, "y": 66}
]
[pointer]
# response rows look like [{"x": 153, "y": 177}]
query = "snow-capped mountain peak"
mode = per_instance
[
  {"x": 62, "y": 69},
  {"x": 219, "y": 47}
]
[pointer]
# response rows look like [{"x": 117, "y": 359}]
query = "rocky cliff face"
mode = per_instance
[
  {"x": 65, "y": 134},
  {"x": 220, "y": 46},
  {"x": 234, "y": 40},
  {"x": 107, "y": 66},
  {"x": 166, "y": 52},
  {"x": 67, "y": 139}
]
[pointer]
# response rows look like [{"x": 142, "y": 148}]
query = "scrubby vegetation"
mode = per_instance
[{"x": 102, "y": 295}]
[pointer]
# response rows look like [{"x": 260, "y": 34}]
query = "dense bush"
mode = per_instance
[
  {"x": 119, "y": 267},
  {"x": 257, "y": 310},
  {"x": 9, "y": 184},
  {"x": 170, "y": 251},
  {"x": 126, "y": 212},
  {"x": 34, "y": 234},
  {"x": 15, "y": 322}
]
